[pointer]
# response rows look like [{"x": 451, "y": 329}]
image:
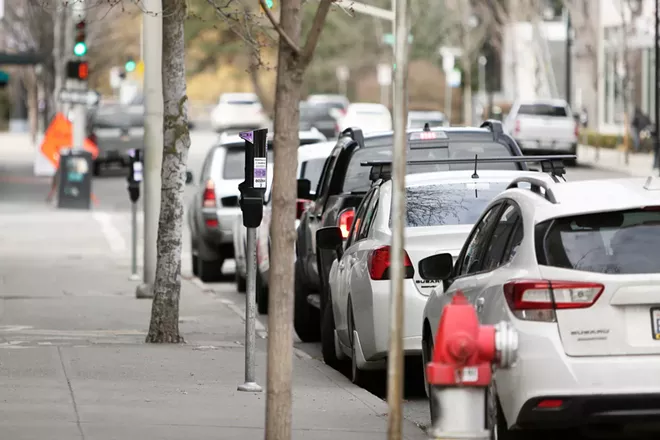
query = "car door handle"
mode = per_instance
[{"x": 480, "y": 304}]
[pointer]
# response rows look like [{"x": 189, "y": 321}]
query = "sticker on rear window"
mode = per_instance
[{"x": 477, "y": 185}]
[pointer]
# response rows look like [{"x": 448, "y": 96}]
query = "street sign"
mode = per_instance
[
  {"x": 384, "y": 74},
  {"x": 389, "y": 39},
  {"x": 454, "y": 78},
  {"x": 87, "y": 97},
  {"x": 342, "y": 73}
]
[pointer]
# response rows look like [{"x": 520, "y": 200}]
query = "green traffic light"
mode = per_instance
[
  {"x": 269, "y": 3},
  {"x": 80, "y": 49},
  {"x": 130, "y": 66}
]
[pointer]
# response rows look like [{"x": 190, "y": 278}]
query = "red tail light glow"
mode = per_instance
[
  {"x": 550, "y": 404},
  {"x": 301, "y": 206},
  {"x": 379, "y": 264},
  {"x": 345, "y": 222},
  {"x": 211, "y": 222},
  {"x": 537, "y": 300},
  {"x": 209, "y": 195},
  {"x": 577, "y": 129}
]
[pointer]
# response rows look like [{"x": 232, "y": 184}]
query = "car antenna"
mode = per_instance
[
  {"x": 475, "y": 175},
  {"x": 427, "y": 127}
]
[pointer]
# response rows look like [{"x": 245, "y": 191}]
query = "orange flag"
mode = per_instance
[{"x": 58, "y": 136}]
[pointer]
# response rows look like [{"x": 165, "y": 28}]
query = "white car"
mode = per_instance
[
  {"x": 338, "y": 103},
  {"x": 574, "y": 268},
  {"x": 238, "y": 111},
  {"x": 308, "y": 139},
  {"x": 418, "y": 119},
  {"x": 441, "y": 209},
  {"x": 371, "y": 118}
]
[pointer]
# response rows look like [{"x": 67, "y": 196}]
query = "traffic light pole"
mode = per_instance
[{"x": 79, "y": 119}]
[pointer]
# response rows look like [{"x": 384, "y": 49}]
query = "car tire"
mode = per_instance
[
  {"x": 209, "y": 270},
  {"x": 241, "y": 282},
  {"x": 262, "y": 296},
  {"x": 96, "y": 169},
  {"x": 195, "y": 262},
  {"x": 328, "y": 337},
  {"x": 305, "y": 316},
  {"x": 427, "y": 353}
]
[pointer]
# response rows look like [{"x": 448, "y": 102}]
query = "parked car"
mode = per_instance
[
  {"x": 239, "y": 237},
  {"x": 542, "y": 126},
  {"x": 344, "y": 183},
  {"x": 238, "y": 111},
  {"x": 338, "y": 103},
  {"x": 371, "y": 118},
  {"x": 318, "y": 117}
]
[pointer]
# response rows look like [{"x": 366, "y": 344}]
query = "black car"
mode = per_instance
[
  {"x": 344, "y": 182},
  {"x": 318, "y": 116}
]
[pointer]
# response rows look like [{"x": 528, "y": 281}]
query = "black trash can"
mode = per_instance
[{"x": 75, "y": 179}]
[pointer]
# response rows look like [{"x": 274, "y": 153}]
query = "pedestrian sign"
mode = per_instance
[{"x": 59, "y": 136}]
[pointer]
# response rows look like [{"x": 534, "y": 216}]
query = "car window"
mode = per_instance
[
  {"x": 369, "y": 215},
  {"x": 514, "y": 242},
  {"x": 234, "y": 166},
  {"x": 546, "y": 110},
  {"x": 449, "y": 204},
  {"x": 357, "y": 176},
  {"x": 620, "y": 242},
  {"x": 500, "y": 237},
  {"x": 205, "y": 166},
  {"x": 357, "y": 221},
  {"x": 311, "y": 170},
  {"x": 470, "y": 261}
]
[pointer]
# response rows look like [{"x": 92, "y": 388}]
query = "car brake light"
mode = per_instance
[
  {"x": 550, "y": 404},
  {"x": 209, "y": 195},
  {"x": 537, "y": 300},
  {"x": 379, "y": 264},
  {"x": 211, "y": 222},
  {"x": 301, "y": 205},
  {"x": 345, "y": 222},
  {"x": 577, "y": 130}
]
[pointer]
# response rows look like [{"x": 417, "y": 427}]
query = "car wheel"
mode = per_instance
[
  {"x": 195, "y": 262},
  {"x": 427, "y": 352},
  {"x": 241, "y": 283},
  {"x": 262, "y": 296},
  {"x": 305, "y": 316},
  {"x": 209, "y": 270},
  {"x": 328, "y": 337},
  {"x": 358, "y": 377}
]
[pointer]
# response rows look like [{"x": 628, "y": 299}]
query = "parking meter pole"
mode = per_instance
[
  {"x": 134, "y": 274},
  {"x": 252, "y": 202},
  {"x": 134, "y": 179},
  {"x": 460, "y": 372}
]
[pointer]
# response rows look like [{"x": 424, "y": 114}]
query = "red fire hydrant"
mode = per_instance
[{"x": 461, "y": 370}]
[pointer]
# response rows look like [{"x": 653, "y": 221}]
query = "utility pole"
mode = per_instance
[
  {"x": 58, "y": 58},
  {"x": 569, "y": 57},
  {"x": 152, "y": 25},
  {"x": 395, "y": 364},
  {"x": 467, "y": 63}
]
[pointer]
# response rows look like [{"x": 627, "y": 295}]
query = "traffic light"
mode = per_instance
[
  {"x": 77, "y": 70},
  {"x": 130, "y": 65},
  {"x": 80, "y": 45},
  {"x": 270, "y": 4}
]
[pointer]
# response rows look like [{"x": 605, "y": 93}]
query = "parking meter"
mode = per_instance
[
  {"x": 135, "y": 174},
  {"x": 253, "y": 188}
]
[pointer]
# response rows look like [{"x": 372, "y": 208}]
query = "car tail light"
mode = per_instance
[
  {"x": 550, "y": 404},
  {"x": 301, "y": 205},
  {"x": 345, "y": 222},
  {"x": 379, "y": 264},
  {"x": 516, "y": 130},
  {"x": 209, "y": 195},
  {"x": 537, "y": 300},
  {"x": 211, "y": 222},
  {"x": 577, "y": 130}
]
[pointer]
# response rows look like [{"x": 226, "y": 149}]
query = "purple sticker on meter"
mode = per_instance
[
  {"x": 260, "y": 166},
  {"x": 247, "y": 136}
]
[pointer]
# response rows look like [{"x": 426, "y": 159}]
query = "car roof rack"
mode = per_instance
[
  {"x": 536, "y": 185},
  {"x": 356, "y": 134},
  {"x": 552, "y": 165}
]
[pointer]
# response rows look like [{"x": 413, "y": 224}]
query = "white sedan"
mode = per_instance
[
  {"x": 441, "y": 209},
  {"x": 238, "y": 111}
]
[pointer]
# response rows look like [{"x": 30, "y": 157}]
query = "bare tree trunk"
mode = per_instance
[
  {"x": 164, "y": 326},
  {"x": 280, "y": 302}
]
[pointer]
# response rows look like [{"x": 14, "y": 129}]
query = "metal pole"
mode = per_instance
[
  {"x": 482, "y": 85},
  {"x": 152, "y": 22},
  {"x": 657, "y": 85},
  {"x": 569, "y": 57},
  {"x": 134, "y": 274},
  {"x": 395, "y": 357},
  {"x": 79, "y": 121},
  {"x": 448, "y": 92},
  {"x": 250, "y": 384}
]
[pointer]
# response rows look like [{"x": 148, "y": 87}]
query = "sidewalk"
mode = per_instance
[
  {"x": 639, "y": 165},
  {"x": 73, "y": 364}
]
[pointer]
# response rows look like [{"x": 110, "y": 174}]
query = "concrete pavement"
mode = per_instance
[
  {"x": 639, "y": 164},
  {"x": 72, "y": 359}
]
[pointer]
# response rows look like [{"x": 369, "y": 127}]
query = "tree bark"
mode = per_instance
[
  {"x": 164, "y": 326},
  {"x": 253, "y": 69},
  {"x": 280, "y": 302}
]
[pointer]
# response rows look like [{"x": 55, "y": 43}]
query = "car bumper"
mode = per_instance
[
  {"x": 541, "y": 145},
  {"x": 593, "y": 385},
  {"x": 219, "y": 225},
  {"x": 374, "y": 339}
]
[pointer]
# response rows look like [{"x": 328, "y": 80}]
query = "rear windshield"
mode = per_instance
[
  {"x": 311, "y": 170},
  {"x": 622, "y": 242},
  {"x": 449, "y": 204},
  {"x": 357, "y": 176},
  {"x": 314, "y": 112},
  {"x": 553, "y": 111},
  {"x": 235, "y": 163}
]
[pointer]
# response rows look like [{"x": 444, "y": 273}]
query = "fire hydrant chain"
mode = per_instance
[{"x": 460, "y": 372}]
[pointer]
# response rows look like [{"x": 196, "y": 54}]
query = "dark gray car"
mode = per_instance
[{"x": 318, "y": 116}]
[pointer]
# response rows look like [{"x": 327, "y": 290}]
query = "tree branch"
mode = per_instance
[
  {"x": 294, "y": 47},
  {"x": 315, "y": 32}
]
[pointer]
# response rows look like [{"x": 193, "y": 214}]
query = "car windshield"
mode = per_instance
[
  {"x": 357, "y": 176},
  {"x": 311, "y": 170},
  {"x": 234, "y": 167},
  {"x": 545, "y": 110},
  {"x": 621, "y": 242},
  {"x": 449, "y": 203}
]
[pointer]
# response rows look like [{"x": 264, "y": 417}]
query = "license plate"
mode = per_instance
[{"x": 655, "y": 323}]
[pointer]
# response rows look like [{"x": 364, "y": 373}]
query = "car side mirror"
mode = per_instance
[
  {"x": 304, "y": 189},
  {"x": 329, "y": 238},
  {"x": 189, "y": 177},
  {"x": 436, "y": 267},
  {"x": 229, "y": 201}
]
